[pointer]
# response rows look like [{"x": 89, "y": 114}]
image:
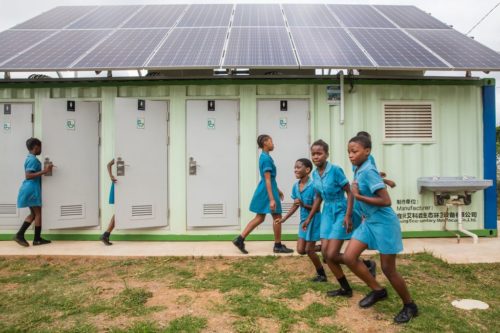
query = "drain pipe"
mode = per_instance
[{"x": 475, "y": 239}]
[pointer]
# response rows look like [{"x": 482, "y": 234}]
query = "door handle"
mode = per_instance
[
  {"x": 193, "y": 167},
  {"x": 46, "y": 163},
  {"x": 120, "y": 167}
]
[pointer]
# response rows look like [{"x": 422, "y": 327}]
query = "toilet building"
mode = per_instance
[{"x": 203, "y": 81}]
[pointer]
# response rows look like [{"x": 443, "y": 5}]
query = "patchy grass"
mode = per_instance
[{"x": 254, "y": 294}]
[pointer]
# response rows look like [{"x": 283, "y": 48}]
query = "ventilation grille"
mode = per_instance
[
  {"x": 71, "y": 211},
  {"x": 142, "y": 211},
  {"x": 286, "y": 206},
  {"x": 8, "y": 210},
  {"x": 408, "y": 122},
  {"x": 214, "y": 210}
]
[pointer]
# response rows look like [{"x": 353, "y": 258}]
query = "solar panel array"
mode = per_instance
[{"x": 239, "y": 35}]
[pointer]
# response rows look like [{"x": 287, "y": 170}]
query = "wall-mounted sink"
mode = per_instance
[{"x": 452, "y": 184}]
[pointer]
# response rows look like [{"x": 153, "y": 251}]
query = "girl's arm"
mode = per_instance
[
  {"x": 110, "y": 172},
  {"x": 288, "y": 215},
  {"x": 350, "y": 204},
  {"x": 314, "y": 209},
  {"x": 381, "y": 197},
  {"x": 272, "y": 202},
  {"x": 308, "y": 207},
  {"x": 32, "y": 175},
  {"x": 389, "y": 183}
]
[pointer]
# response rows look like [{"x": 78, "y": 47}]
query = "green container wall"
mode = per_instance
[{"x": 457, "y": 149}]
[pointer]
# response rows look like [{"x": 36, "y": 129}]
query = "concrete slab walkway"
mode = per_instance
[{"x": 487, "y": 251}]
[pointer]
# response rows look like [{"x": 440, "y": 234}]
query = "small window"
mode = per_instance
[{"x": 408, "y": 122}]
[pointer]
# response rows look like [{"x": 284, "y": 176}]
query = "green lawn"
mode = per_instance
[{"x": 254, "y": 294}]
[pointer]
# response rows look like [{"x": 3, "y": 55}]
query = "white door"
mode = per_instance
[
  {"x": 212, "y": 161},
  {"x": 141, "y": 142},
  {"x": 290, "y": 132},
  {"x": 70, "y": 196},
  {"x": 15, "y": 120}
]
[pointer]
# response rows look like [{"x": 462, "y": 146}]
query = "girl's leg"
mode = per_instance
[
  {"x": 38, "y": 240},
  {"x": 410, "y": 309},
  {"x": 351, "y": 259},
  {"x": 388, "y": 262},
  {"x": 311, "y": 253},
  {"x": 256, "y": 221},
  {"x": 301, "y": 246},
  {"x": 111, "y": 225},
  {"x": 277, "y": 229},
  {"x": 19, "y": 237},
  {"x": 332, "y": 251},
  {"x": 105, "y": 236},
  {"x": 239, "y": 241},
  {"x": 278, "y": 247}
]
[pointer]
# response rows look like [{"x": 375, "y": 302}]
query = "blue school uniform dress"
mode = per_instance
[
  {"x": 307, "y": 196},
  {"x": 381, "y": 229},
  {"x": 330, "y": 187},
  {"x": 260, "y": 201},
  {"x": 357, "y": 216},
  {"x": 112, "y": 194},
  {"x": 30, "y": 193}
]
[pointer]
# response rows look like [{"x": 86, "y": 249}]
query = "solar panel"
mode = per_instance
[
  {"x": 458, "y": 50},
  {"x": 14, "y": 41},
  {"x": 259, "y": 47},
  {"x": 411, "y": 17},
  {"x": 191, "y": 47},
  {"x": 56, "y": 18},
  {"x": 156, "y": 16},
  {"x": 207, "y": 16},
  {"x": 393, "y": 48},
  {"x": 328, "y": 47},
  {"x": 106, "y": 17},
  {"x": 360, "y": 16},
  {"x": 247, "y": 15},
  {"x": 124, "y": 49},
  {"x": 303, "y": 15},
  {"x": 59, "y": 51}
]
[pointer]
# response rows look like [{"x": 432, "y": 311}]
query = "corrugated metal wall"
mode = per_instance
[{"x": 456, "y": 151}]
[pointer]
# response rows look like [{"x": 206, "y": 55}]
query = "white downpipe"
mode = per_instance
[{"x": 475, "y": 239}]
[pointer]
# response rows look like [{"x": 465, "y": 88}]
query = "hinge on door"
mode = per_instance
[
  {"x": 239, "y": 212},
  {"x": 32, "y": 117},
  {"x": 99, "y": 142},
  {"x": 99, "y": 119},
  {"x": 309, "y": 115},
  {"x": 168, "y": 140},
  {"x": 238, "y": 116},
  {"x": 238, "y": 140},
  {"x": 168, "y": 213},
  {"x": 99, "y": 212},
  {"x": 168, "y": 116}
]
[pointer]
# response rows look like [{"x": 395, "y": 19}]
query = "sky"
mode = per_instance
[{"x": 462, "y": 14}]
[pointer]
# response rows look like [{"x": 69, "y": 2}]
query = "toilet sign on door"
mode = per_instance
[
  {"x": 211, "y": 123},
  {"x": 283, "y": 123},
  {"x": 141, "y": 123},
  {"x": 70, "y": 124}
]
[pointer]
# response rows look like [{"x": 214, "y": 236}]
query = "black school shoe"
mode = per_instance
[
  {"x": 282, "y": 249},
  {"x": 105, "y": 240},
  {"x": 339, "y": 293},
  {"x": 21, "y": 241},
  {"x": 408, "y": 312},
  {"x": 240, "y": 244},
  {"x": 319, "y": 278},
  {"x": 41, "y": 241},
  {"x": 373, "y": 297}
]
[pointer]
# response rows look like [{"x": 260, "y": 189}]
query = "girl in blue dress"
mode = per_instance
[
  {"x": 380, "y": 231},
  {"x": 30, "y": 193},
  {"x": 331, "y": 185},
  {"x": 266, "y": 199},
  {"x": 303, "y": 194}
]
